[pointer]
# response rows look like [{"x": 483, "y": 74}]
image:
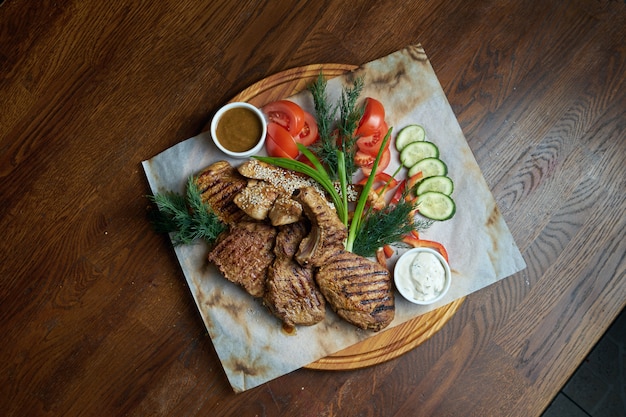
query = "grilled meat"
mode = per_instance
[
  {"x": 219, "y": 183},
  {"x": 285, "y": 210},
  {"x": 327, "y": 233},
  {"x": 257, "y": 199},
  {"x": 244, "y": 253},
  {"x": 358, "y": 290},
  {"x": 292, "y": 294}
]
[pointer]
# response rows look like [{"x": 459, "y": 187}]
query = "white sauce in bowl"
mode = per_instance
[{"x": 420, "y": 276}]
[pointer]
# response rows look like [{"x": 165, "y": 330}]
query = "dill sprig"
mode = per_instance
[
  {"x": 324, "y": 112},
  {"x": 349, "y": 116},
  {"x": 387, "y": 226},
  {"x": 187, "y": 217},
  {"x": 342, "y": 138}
]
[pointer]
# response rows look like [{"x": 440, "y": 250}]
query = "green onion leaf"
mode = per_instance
[{"x": 355, "y": 226}]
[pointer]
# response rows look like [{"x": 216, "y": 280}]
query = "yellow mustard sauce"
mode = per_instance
[{"x": 239, "y": 129}]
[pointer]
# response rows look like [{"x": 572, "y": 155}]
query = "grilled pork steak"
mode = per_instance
[
  {"x": 292, "y": 294},
  {"x": 244, "y": 253},
  {"x": 219, "y": 183},
  {"x": 358, "y": 290},
  {"x": 327, "y": 233}
]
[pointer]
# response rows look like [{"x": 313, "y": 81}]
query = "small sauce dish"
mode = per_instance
[
  {"x": 238, "y": 129},
  {"x": 422, "y": 276}
]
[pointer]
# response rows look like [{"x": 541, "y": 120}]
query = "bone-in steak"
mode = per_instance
[{"x": 327, "y": 233}]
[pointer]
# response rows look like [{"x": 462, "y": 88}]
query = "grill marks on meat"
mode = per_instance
[
  {"x": 358, "y": 290},
  {"x": 219, "y": 183},
  {"x": 295, "y": 273},
  {"x": 244, "y": 254},
  {"x": 292, "y": 294},
  {"x": 328, "y": 233}
]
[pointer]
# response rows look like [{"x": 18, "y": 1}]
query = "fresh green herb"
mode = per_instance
[
  {"x": 386, "y": 227},
  {"x": 187, "y": 217},
  {"x": 341, "y": 139},
  {"x": 324, "y": 112},
  {"x": 357, "y": 218},
  {"x": 349, "y": 117},
  {"x": 343, "y": 183}
]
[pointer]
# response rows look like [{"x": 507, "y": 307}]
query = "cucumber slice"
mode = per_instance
[
  {"x": 436, "y": 206},
  {"x": 429, "y": 167},
  {"x": 409, "y": 134},
  {"x": 416, "y": 151},
  {"x": 439, "y": 183}
]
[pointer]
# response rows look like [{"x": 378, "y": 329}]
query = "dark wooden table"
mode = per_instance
[{"x": 96, "y": 318}]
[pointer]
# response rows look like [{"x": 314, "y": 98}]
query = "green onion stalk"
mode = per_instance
[{"x": 357, "y": 218}]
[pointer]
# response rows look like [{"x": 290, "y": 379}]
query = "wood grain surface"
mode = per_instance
[{"x": 95, "y": 314}]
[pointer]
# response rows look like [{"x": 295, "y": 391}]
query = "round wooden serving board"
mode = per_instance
[{"x": 390, "y": 343}]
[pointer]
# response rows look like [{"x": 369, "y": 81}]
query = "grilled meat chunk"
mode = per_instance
[
  {"x": 292, "y": 294},
  {"x": 219, "y": 183},
  {"x": 327, "y": 233},
  {"x": 285, "y": 210},
  {"x": 257, "y": 199},
  {"x": 358, "y": 290},
  {"x": 244, "y": 253}
]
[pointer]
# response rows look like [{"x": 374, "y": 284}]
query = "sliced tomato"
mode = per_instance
[
  {"x": 371, "y": 144},
  {"x": 287, "y": 114},
  {"x": 309, "y": 133},
  {"x": 279, "y": 142},
  {"x": 362, "y": 159},
  {"x": 383, "y": 163},
  {"x": 373, "y": 117}
]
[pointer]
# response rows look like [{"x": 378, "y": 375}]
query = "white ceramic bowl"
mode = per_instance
[
  {"x": 261, "y": 141},
  {"x": 407, "y": 257}
]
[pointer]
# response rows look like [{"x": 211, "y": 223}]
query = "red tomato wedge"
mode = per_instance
[
  {"x": 279, "y": 142},
  {"x": 287, "y": 114},
  {"x": 309, "y": 133},
  {"x": 383, "y": 163},
  {"x": 373, "y": 117},
  {"x": 362, "y": 159},
  {"x": 371, "y": 144}
]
